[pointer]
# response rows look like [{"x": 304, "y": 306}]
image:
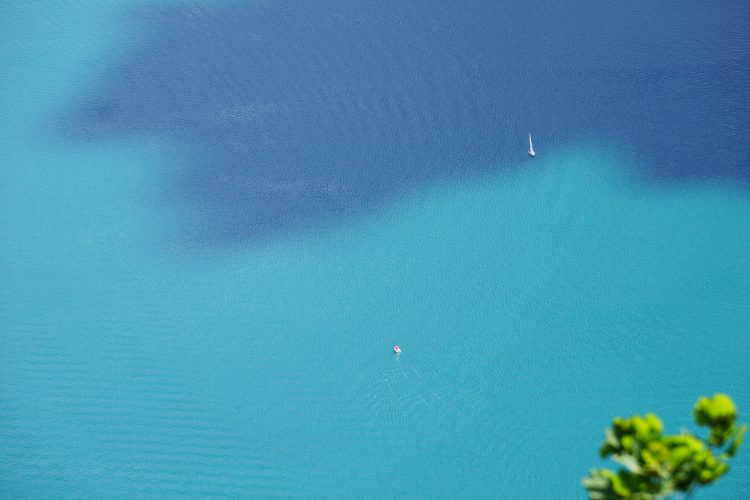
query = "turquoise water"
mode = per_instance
[{"x": 533, "y": 301}]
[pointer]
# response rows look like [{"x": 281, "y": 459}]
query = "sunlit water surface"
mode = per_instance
[{"x": 149, "y": 349}]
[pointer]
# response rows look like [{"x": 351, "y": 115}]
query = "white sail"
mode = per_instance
[{"x": 531, "y": 148}]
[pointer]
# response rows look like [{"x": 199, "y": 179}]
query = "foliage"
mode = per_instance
[{"x": 656, "y": 465}]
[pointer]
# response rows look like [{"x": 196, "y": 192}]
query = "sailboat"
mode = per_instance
[{"x": 531, "y": 148}]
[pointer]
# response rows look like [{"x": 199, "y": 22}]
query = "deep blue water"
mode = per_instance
[
  {"x": 299, "y": 111},
  {"x": 217, "y": 218}
]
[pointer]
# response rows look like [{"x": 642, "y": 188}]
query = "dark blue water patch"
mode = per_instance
[{"x": 297, "y": 112}]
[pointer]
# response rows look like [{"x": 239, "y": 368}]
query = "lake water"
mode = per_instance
[{"x": 216, "y": 219}]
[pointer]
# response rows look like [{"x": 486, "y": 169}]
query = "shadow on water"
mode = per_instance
[{"x": 294, "y": 113}]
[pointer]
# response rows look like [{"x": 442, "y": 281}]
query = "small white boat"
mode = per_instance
[
  {"x": 532, "y": 153},
  {"x": 396, "y": 349}
]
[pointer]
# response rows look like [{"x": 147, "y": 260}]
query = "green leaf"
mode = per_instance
[
  {"x": 717, "y": 412},
  {"x": 736, "y": 442}
]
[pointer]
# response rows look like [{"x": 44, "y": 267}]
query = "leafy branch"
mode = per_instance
[{"x": 655, "y": 465}]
